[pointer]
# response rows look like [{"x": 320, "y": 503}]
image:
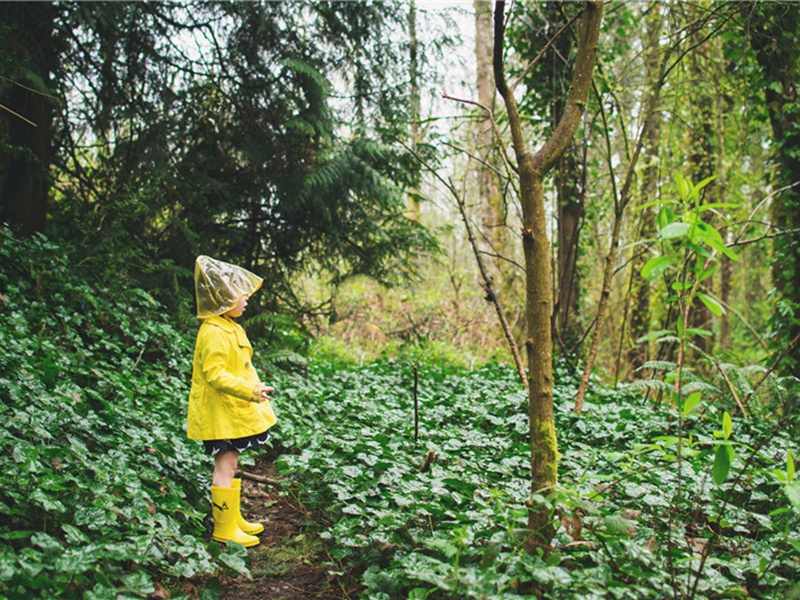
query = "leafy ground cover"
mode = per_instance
[
  {"x": 102, "y": 496},
  {"x": 443, "y": 516}
]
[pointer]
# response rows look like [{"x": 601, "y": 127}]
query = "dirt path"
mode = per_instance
[{"x": 287, "y": 565}]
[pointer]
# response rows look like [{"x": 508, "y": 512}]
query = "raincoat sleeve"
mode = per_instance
[{"x": 216, "y": 371}]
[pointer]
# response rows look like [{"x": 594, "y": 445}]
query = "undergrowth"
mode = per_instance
[
  {"x": 444, "y": 516},
  {"x": 102, "y": 495}
]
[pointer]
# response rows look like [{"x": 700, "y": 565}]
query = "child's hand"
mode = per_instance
[{"x": 261, "y": 393}]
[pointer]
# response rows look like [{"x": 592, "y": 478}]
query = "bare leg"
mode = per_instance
[{"x": 225, "y": 464}]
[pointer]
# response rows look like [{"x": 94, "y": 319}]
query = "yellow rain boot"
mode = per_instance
[
  {"x": 225, "y": 508},
  {"x": 246, "y": 526}
]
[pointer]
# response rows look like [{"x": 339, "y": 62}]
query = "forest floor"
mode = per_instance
[{"x": 289, "y": 562}]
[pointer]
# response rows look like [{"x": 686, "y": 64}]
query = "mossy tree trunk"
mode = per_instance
[{"x": 531, "y": 170}]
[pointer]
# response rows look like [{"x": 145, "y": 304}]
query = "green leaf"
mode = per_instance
[
  {"x": 727, "y": 425},
  {"x": 700, "y": 332},
  {"x": 681, "y": 184},
  {"x": 722, "y": 465},
  {"x": 691, "y": 403},
  {"x": 618, "y": 526},
  {"x": 711, "y": 304},
  {"x": 696, "y": 188},
  {"x": 674, "y": 230},
  {"x": 656, "y": 266},
  {"x": 789, "y": 466},
  {"x": 213, "y": 590},
  {"x": 793, "y": 494},
  {"x": 664, "y": 217}
]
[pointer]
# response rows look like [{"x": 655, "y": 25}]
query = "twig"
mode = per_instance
[
  {"x": 538, "y": 57},
  {"x": 254, "y": 477},
  {"x": 730, "y": 386},
  {"x": 488, "y": 286},
  {"x": 16, "y": 114},
  {"x": 772, "y": 368},
  {"x": 489, "y": 111}
]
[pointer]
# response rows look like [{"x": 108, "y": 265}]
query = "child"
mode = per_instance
[{"x": 229, "y": 408}]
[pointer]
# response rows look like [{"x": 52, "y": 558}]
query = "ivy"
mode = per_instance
[
  {"x": 101, "y": 493},
  {"x": 456, "y": 527}
]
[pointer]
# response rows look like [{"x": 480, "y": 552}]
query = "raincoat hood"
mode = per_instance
[{"x": 218, "y": 286}]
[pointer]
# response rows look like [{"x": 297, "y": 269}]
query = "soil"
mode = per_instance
[{"x": 288, "y": 564}]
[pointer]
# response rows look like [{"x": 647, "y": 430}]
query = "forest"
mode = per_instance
[{"x": 530, "y": 302}]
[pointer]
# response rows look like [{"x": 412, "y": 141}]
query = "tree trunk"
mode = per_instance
[
  {"x": 773, "y": 35},
  {"x": 413, "y": 208},
  {"x": 570, "y": 194},
  {"x": 570, "y": 197},
  {"x": 621, "y": 202},
  {"x": 26, "y": 134},
  {"x": 538, "y": 291},
  {"x": 639, "y": 353}
]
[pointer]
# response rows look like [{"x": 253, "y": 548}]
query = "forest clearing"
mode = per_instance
[{"x": 519, "y": 280}]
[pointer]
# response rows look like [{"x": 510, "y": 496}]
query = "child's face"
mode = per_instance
[{"x": 239, "y": 309}]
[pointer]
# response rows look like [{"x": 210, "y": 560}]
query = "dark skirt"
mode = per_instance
[{"x": 214, "y": 447}]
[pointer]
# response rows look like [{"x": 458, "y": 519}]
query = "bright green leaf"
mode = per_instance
[
  {"x": 691, "y": 403},
  {"x": 656, "y": 266},
  {"x": 697, "y": 331},
  {"x": 727, "y": 425},
  {"x": 722, "y": 465},
  {"x": 711, "y": 304},
  {"x": 793, "y": 493},
  {"x": 696, "y": 188},
  {"x": 674, "y": 230},
  {"x": 681, "y": 184}
]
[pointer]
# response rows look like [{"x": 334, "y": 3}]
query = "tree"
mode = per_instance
[
  {"x": 234, "y": 147},
  {"x": 547, "y": 25},
  {"x": 28, "y": 58},
  {"x": 531, "y": 170},
  {"x": 638, "y": 353},
  {"x": 774, "y": 28}
]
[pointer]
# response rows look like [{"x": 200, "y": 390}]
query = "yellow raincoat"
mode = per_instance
[
  {"x": 223, "y": 381},
  {"x": 221, "y": 403}
]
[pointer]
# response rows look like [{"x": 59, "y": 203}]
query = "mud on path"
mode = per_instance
[{"x": 288, "y": 564}]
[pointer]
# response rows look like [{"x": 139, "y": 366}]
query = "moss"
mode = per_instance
[{"x": 544, "y": 450}]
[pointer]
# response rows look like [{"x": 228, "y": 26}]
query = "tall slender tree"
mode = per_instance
[
  {"x": 638, "y": 353},
  {"x": 531, "y": 170}
]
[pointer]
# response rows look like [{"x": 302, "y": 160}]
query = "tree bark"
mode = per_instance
[
  {"x": 773, "y": 34},
  {"x": 538, "y": 291},
  {"x": 26, "y": 134},
  {"x": 638, "y": 353},
  {"x": 413, "y": 207}
]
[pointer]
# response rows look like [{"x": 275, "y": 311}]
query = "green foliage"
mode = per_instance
[
  {"x": 243, "y": 152},
  {"x": 445, "y": 517},
  {"x": 101, "y": 492}
]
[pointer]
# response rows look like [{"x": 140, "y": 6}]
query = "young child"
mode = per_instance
[{"x": 229, "y": 408}]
